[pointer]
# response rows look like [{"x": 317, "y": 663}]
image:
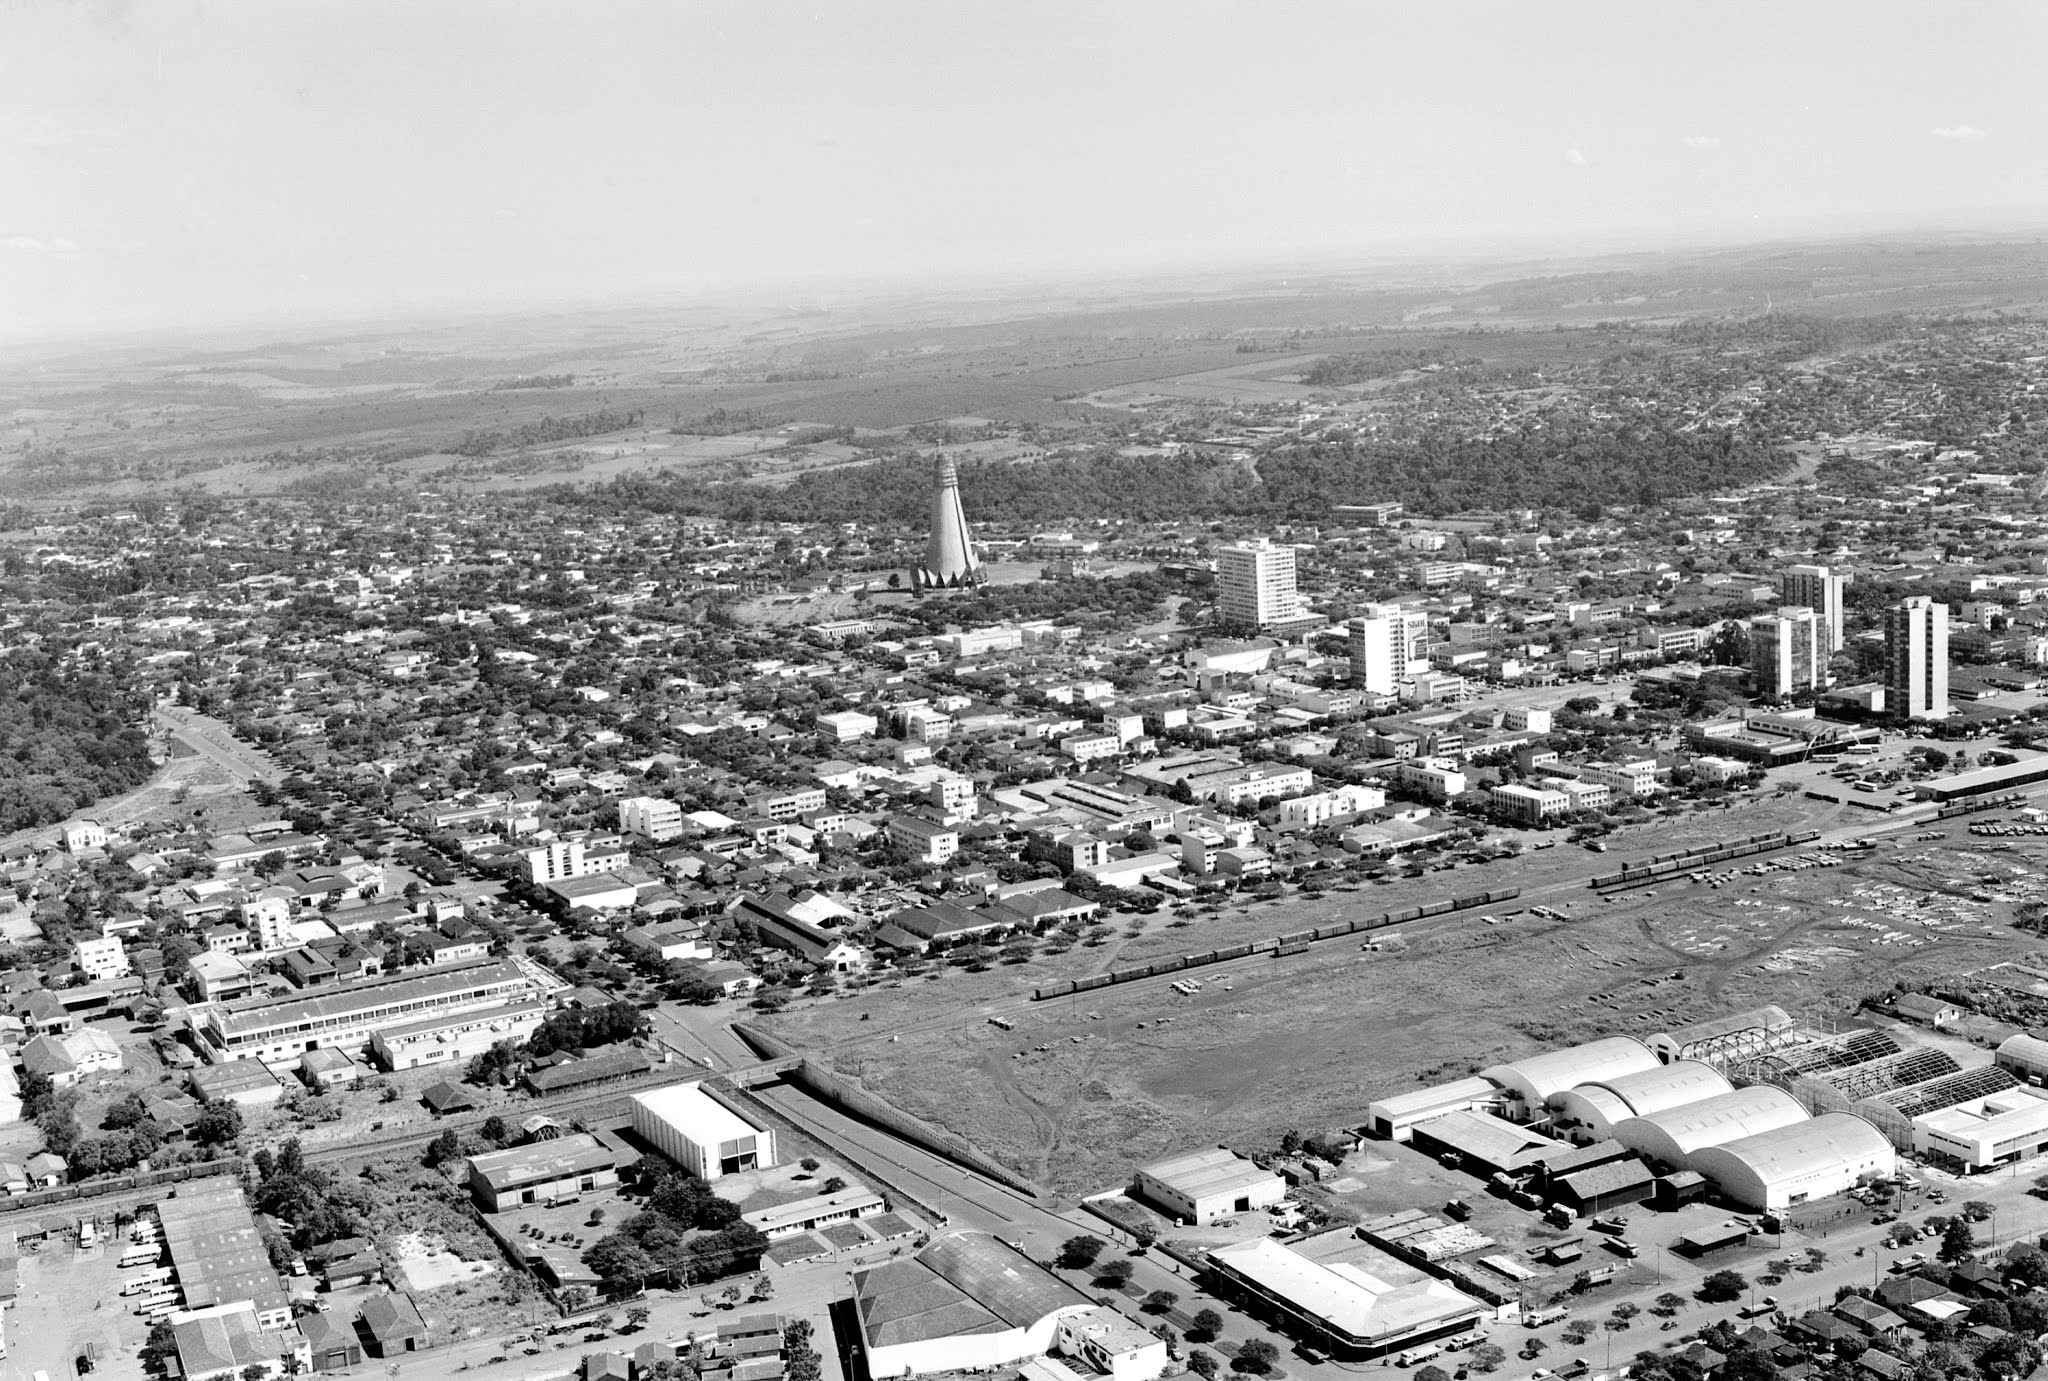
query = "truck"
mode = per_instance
[
  {"x": 1537, "y": 1318},
  {"x": 1558, "y": 1216}
]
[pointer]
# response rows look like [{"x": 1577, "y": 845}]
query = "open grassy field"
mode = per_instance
[{"x": 1308, "y": 1041}]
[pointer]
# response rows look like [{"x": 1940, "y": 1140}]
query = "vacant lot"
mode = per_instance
[{"x": 1308, "y": 1041}]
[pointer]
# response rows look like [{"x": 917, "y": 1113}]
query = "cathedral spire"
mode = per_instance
[{"x": 949, "y": 559}]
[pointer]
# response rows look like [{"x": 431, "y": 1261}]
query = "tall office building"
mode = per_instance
[
  {"x": 1374, "y": 665},
  {"x": 1819, "y": 589},
  {"x": 949, "y": 559},
  {"x": 1411, "y": 632},
  {"x": 1255, "y": 584},
  {"x": 1916, "y": 659},
  {"x": 1786, "y": 653}
]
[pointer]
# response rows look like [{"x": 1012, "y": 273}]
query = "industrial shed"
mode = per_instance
[
  {"x": 1540, "y": 1077},
  {"x": 2025, "y": 1057},
  {"x": 1205, "y": 1185},
  {"x": 699, "y": 1133},
  {"x": 965, "y": 1301},
  {"x": 1487, "y": 1143},
  {"x": 1592, "y": 1109},
  {"x": 1350, "y": 1310},
  {"x": 1673, "y": 1137},
  {"x": 1394, "y": 1118},
  {"x": 1602, "y": 1188},
  {"x": 1798, "y": 1162},
  {"x": 1719, "y": 1039}
]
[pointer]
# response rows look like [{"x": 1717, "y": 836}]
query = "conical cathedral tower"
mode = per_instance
[{"x": 949, "y": 559}]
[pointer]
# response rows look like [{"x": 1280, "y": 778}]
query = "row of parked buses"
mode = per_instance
[{"x": 1277, "y": 945}]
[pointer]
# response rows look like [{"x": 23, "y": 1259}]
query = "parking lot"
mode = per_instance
[{"x": 70, "y": 1298}]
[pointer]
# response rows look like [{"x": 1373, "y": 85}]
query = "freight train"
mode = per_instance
[{"x": 1666, "y": 865}]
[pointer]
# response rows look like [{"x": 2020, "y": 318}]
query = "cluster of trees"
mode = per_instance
[
  {"x": 319, "y": 1207},
  {"x": 686, "y": 1232},
  {"x": 66, "y": 740},
  {"x": 545, "y": 432},
  {"x": 584, "y": 1028},
  {"x": 1334, "y": 371}
]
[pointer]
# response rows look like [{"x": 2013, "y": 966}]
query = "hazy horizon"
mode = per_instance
[{"x": 191, "y": 167}]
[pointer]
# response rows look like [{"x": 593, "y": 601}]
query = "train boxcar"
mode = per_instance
[
  {"x": 1296, "y": 947},
  {"x": 1234, "y": 952},
  {"x": 1299, "y": 937}
]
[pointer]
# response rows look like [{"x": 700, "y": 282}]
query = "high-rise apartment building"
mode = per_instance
[
  {"x": 1916, "y": 659},
  {"x": 1255, "y": 584},
  {"x": 1819, "y": 589},
  {"x": 1375, "y": 666},
  {"x": 1411, "y": 632},
  {"x": 1786, "y": 653}
]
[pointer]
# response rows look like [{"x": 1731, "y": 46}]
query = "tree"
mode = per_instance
[
  {"x": 809, "y": 1164},
  {"x": 1201, "y": 1364},
  {"x": 442, "y": 1149},
  {"x": 1116, "y": 1273},
  {"x": 1424, "y": 1374},
  {"x": 256, "y": 1371},
  {"x": 1207, "y": 1323},
  {"x": 1160, "y": 1301},
  {"x": 834, "y": 1185},
  {"x": 1487, "y": 1357},
  {"x": 1723, "y": 1286},
  {"x": 637, "y": 1316},
  {"x": 804, "y": 1363},
  {"x": 218, "y": 1124},
  {"x": 1958, "y": 1242},
  {"x": 1258, "y": 1356},
  {"x": 1079, "y": 1253},
  {"x": 494, "y": 1130}
]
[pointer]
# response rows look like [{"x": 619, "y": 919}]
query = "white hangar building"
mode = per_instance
[
  {"x": 1536, "y": 1080},
  {"x": 1797, "y": 1162},
  {"x": 1675, "y": 1136},
  {"x": 1590, "y": 1111}
]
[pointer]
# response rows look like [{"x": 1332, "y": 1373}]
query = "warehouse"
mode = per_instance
[
  {"x": 2025, "y": 1057},
  {"x": 1604, "y": 1188},
  {"x": 1536, "y": 1080},
  {"x": 701, "y": 1134},
  {"x": 1985, "y": 1132},
  {"x": 966, "y": 1301},
  {"x": 1590, "y": 1111},
  {"x": 1339, "y": 1305},
  {"x": 1202, "y": 1186},
  {"x": 1673, "y": 1137},
  {"x": 541, "y": 1172},
  {"x": 1798, "y": 1162},
  {"x": 1984, "y": 781},
  {"x": 217, "y": 1252},
  {"x": 1394, "y": 1118},
  {"x": 1483, "y": 1143}
]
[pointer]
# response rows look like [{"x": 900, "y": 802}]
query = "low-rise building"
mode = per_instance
[
  {"x": 700, "y": 1133},
  {"x": 1203, "y": 1186},
  {"x": 541, "y": 1172}
]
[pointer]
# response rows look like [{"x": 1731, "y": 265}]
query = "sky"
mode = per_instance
[{"x": 177, "y": 164}]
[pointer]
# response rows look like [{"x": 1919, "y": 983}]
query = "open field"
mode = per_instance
[
  {"x": 1309, "y": 1040},
  {"x": 392, "y": 404}
]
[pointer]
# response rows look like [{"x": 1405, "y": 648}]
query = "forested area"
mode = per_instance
[
  {"x": 1567, "y": 463},
  {"x": 65, "y": 742}
]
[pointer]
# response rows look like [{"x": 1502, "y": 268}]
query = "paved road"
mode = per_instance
[{"x": 216, "y": 742}]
